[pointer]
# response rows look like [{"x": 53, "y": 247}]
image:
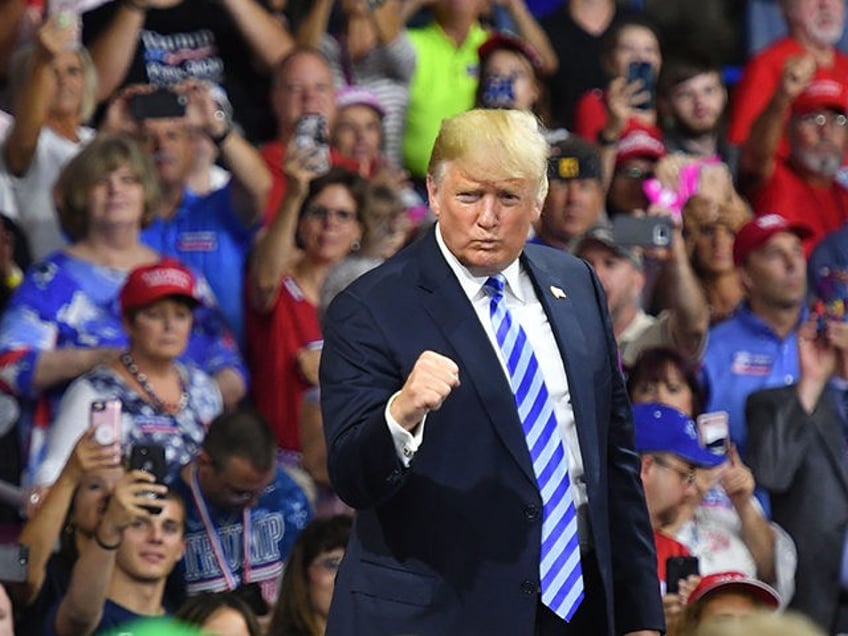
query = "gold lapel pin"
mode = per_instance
[{"x": 557, "y": 292}]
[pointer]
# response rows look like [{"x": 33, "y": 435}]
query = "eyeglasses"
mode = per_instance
[
  {"x": 686, "y": 476},
  {"x": 330, "y": 563},
  {"x": 820, "y": 120},
  {"x": 633, "y": 172},
  {"x": 322, "y": 213}
]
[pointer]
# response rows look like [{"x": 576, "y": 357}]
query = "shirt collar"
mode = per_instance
[{"x": 471, "y": 283}]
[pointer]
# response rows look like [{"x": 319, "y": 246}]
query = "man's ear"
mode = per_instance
[
  {"x": 204, "y": 460},
  {"x": 645, "y": 463},
  {"x": 745, "y": 279},
  {"x": 432, "y": 192}
]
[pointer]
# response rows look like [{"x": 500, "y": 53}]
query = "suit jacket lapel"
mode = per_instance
[
  {"x": 562, "y": 315},
  {"x": 445, "y": 301},
  {"x": 829, "y": 426}
]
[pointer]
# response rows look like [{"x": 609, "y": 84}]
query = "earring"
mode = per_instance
[{"x": 354, "y": 247}]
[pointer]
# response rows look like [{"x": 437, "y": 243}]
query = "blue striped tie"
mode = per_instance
[{"x": 559, "y": 567}]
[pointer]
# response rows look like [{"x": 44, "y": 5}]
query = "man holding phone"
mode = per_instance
[
  {"x": 620, "y": 269},
  {"x": 667, "y": 440},
  {"x": 120, "y": 576},
  {"x": 211, "y": 233}
]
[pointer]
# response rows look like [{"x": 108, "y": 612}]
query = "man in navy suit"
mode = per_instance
[{"x": 424, "y": 436}]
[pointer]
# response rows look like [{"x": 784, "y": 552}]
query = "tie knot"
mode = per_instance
[{"x": 494, "y": 285}]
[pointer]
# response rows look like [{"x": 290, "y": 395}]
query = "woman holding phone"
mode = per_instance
[{"x": 145, "y": 395}]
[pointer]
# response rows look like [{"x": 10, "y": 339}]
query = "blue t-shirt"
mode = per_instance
[
  {"x": 114, "y": 616},
  {"x": 744, "y": 355},
  {"x": 207, "y": 234},
  {"x": 275, "y": 521}
]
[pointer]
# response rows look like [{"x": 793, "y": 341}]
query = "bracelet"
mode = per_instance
[
  {"x": 106, "y": 546},
  {"x": 604, "y": 141},
  {"x": 221, "y": 137},
  {"x": 135, "y": 5}
]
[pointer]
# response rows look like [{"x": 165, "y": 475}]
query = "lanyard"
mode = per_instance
[{"x": 215, "y": 540}]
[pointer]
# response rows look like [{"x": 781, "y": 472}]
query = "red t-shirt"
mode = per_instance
[
  {"x": 274, "y": 154},
  {"x": 822, "y": 209},
  {"x": 667, "y": 547},
  {"x": 758, "y": 84},
  {"x": 273, "y": 340},
  {"x": 590, "y": 117}
]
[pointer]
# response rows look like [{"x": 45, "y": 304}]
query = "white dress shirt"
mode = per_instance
[{"x": 524, "y": 306}]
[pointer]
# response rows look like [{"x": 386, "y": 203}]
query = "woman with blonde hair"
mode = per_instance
[{"x": 54, "y": 87}]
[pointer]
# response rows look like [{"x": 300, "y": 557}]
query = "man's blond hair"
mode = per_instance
[{"x": 493, "y": 145}]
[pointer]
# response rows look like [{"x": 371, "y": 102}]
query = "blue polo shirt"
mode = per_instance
[
  {"x": 744, "y": 355},
  {"x": 207, "y": 234}
]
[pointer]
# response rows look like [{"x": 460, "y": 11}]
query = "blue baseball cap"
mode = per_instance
[{"x": 663, "y": 429}]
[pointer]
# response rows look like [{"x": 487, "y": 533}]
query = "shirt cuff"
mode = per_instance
[{"x": 406, "y": 443}]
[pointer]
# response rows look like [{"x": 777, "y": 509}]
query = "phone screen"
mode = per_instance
[
  {"x": 644, "y": 72},
  {"x": 679, "y": 567},
  {"x": 105, "y": 419},
  {"x": 714, "y": 431}
]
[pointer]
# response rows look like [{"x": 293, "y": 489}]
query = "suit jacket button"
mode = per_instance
[
  {"x": 529, "y": 587},
  {"x": 531, "y": 512}
]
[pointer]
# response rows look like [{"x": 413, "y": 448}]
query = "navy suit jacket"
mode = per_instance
[{"x": 450, "y": 545}]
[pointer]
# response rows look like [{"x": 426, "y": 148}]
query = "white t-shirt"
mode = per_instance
[{"x": 33, "y": 209}]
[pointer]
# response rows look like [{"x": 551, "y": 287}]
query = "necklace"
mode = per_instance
[{"x": 144, "y": 383}]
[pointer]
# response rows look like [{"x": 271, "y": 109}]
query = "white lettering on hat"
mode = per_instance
[
  {"x": 824, "y": 88},
  {"x": 641, "y": 141},
  {"x": 166, "y": 277},
  {"x": 770, "y": 220},
  {"x": 691, "y": 433}
]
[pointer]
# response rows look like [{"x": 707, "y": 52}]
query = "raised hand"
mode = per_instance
[
  {"x": 430, "y": 382},
  {"x": 797, "y": 73},
  {"x": 130, "y": 499},
  {"x": 736, "y": 478},
  {"x": 88, "y": 455}
]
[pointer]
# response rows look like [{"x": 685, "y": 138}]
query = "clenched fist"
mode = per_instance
[{"x": 431, "y": 380}]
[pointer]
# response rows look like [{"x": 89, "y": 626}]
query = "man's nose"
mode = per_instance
[{"x": 488, "y": 214}]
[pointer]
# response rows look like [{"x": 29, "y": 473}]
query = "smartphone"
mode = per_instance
[
  {"x": 498, "y": 92},
  {"x": 644, "y": 72},
  {"x": 67, "y": 14},
  {"x": 642, "y": 231},
  {"x": 163, "y": 103},
  {"x": 105, "y": 418},
  {"x": 310, "y": 131},
  {"x": 150, "y": 458},
  {"x": 679, "y": 567},
  {"x": 14, "y": 563},
  {"x": 714, "y": 431}
]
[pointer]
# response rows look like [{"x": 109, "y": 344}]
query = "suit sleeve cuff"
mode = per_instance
[{"x": 406, "y": 443}]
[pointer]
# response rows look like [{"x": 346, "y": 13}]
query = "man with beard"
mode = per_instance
[
  {"x": 691, "y": 92},
  {"x": 814, "y": 28},
  {"x": 803, "y": 186}
]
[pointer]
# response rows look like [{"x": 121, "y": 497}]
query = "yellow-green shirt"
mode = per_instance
[{"x": 443, "y": 85}]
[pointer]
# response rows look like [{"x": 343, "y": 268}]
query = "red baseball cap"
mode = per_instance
[
  {"x": 825, "y": 92},
  {"x": 757, "y": 232},
  {"x": 639, "y": 142},
  {"x": 500, "y": 41},
  {"x": 149, "y": 283},
  {"x": 735, "y": 581}
]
